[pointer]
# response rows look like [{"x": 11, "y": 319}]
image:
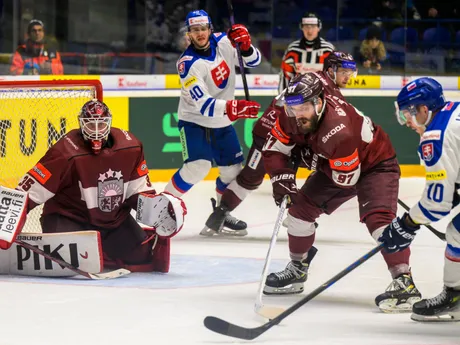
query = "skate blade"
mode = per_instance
[
  {"x": 207, "y": 232},
  {"x": 269, "y": 312},
  {"x": 390, "y": 306},
  {"x": 222, "y": 233},
  {"x": 292, "y": 289},
  {"x": 232, "y": 233},
  {"x": 445, "y": 317}
]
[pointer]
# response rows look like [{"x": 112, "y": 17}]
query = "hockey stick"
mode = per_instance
[
  {"x": 95, "y": 276},
  {"x": 259, "y": 308},
  {"x": 238, "y": 52},
  {"x": 437, "y": 233},
  {"x": 223, "y": 327}
]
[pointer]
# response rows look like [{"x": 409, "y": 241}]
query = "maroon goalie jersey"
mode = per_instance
[
  {"x": 97, "y": 189},
  {"x": 347, "y": 140},
  {"x": 268, "y": 119}
]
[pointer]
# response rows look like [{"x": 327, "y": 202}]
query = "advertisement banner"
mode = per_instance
[
  {"x": 364, "y": 82},
  {"x": 133, "y": 82},
  {"x": 154, "y": 122},
  {"x": 29, "y": 127}
]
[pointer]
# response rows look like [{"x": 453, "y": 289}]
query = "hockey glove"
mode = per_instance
[
  {"x": 241, "y": 109},
  {"x": 284, "y": 184},
  {"x": 399, "y": 234},
  {"x": 239, "y": 34}
]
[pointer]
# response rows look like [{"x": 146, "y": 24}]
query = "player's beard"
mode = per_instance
[{"x": 307, "y": 126}]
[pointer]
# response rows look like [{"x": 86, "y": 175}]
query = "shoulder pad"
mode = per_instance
[
  {"x": 218, "y": 36},
  {"x": 186, "y": 61},
  {"x": 123, "y": 138},
  {"x": 431, "y": 142}
]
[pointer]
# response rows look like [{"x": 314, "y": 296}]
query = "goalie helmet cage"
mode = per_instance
[{"x": 33, "y": 116}]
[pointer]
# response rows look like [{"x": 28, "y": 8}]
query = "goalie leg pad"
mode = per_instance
[
  {"x": 82, "y": 249},
  {"x": 154, "y": 253}
]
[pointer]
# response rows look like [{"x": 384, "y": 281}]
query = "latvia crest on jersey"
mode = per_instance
[
  {"x": 110, "y": 190},
  {"x": 220, "y": 75}
]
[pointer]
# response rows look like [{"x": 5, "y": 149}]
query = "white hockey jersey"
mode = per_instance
[
  {"x": 209, "y": 81},
  {"x": 440, "y": 150}
]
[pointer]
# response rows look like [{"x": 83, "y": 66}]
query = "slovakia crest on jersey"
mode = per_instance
[
  {"x": 427, "y": 152},
  {"x": 220, "y": 75},
  {"x": 110, "y": 188}
]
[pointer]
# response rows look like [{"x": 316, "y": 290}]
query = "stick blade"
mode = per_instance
[
  {"x": 268, "y": 312},
  {"x": 226, "y": 328},
  {"x": 109, "y": 275}
]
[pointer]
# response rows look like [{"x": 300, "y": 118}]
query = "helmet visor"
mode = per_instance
[
  {"x": 348, "y": 69},
  {"x": 298, "y": 109},
  {"x": 403, "y": 115}
]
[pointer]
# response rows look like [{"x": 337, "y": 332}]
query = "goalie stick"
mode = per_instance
[
  {"x": 226, "y": 328},
  {"x": 95, "y": 276},
  {"x": 259, "y": 308},
  {"x": 238, "y": 52},
  {"x": 437, "y": 233}
]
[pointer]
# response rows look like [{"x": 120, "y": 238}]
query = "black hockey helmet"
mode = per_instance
[
  {"x": 339, "y": 59},
  {"x": 310, "y": 18},
  {"x": 301, "y": 89}
]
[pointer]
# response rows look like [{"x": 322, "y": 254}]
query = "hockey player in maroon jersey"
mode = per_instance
[
  {"x": 339, "y": 67},
  {"x": 91, "y": 179},
  {"x": 351, "y": 157}
]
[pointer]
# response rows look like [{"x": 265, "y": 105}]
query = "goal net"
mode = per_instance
[{"x": 33, "y": 116}]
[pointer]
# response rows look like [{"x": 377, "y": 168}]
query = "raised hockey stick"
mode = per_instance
[
  {"x": 95, "y": 276},
  {"x": 223, "y": 327},
  {"x": 238, "y": 52},
  {"x": 437, "y": 233},
  {"x": 259, "y": 308}
]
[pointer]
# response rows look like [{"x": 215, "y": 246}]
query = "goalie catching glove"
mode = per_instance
[{"x": 163, "y": 211}]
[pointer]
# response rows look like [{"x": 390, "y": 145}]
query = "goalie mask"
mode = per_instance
[{"x": 95, "y": 123}]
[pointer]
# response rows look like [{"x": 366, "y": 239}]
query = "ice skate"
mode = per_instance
[
  {"x": 400, "y": 295},
  {"x": 290, "y": 280},
  {"x": 221, "y": 222},
  {"x": 445, "y": 307}
]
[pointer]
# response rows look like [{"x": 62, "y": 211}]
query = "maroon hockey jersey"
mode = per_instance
[
  {"x": 347, "y": 140},
  {"x": 97, "y": 189}
]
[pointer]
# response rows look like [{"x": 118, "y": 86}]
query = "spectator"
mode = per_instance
[
  {"x": 373, "y": 51},
  {"x": 36, "y": 56}
]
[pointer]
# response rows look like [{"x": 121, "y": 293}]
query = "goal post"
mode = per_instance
[{"x": 33, "y": 116}]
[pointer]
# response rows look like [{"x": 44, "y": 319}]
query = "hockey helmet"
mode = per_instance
[
  {"x": 303, "y": 88},
  {"x": 95, "y": 122},
  {"x": 338, "y": 59},
  {"x": 310, "y": 18},
  {"x": 198, "y": 17},
  {"x": 422, "y": 91}
]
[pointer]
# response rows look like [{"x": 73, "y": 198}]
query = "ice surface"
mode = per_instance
[{"x": 219, "y": 277}]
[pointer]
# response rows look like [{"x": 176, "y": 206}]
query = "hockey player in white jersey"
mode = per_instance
[
  {"x": 422, "y": 107},
  {"x": 207, "y": 109}
]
